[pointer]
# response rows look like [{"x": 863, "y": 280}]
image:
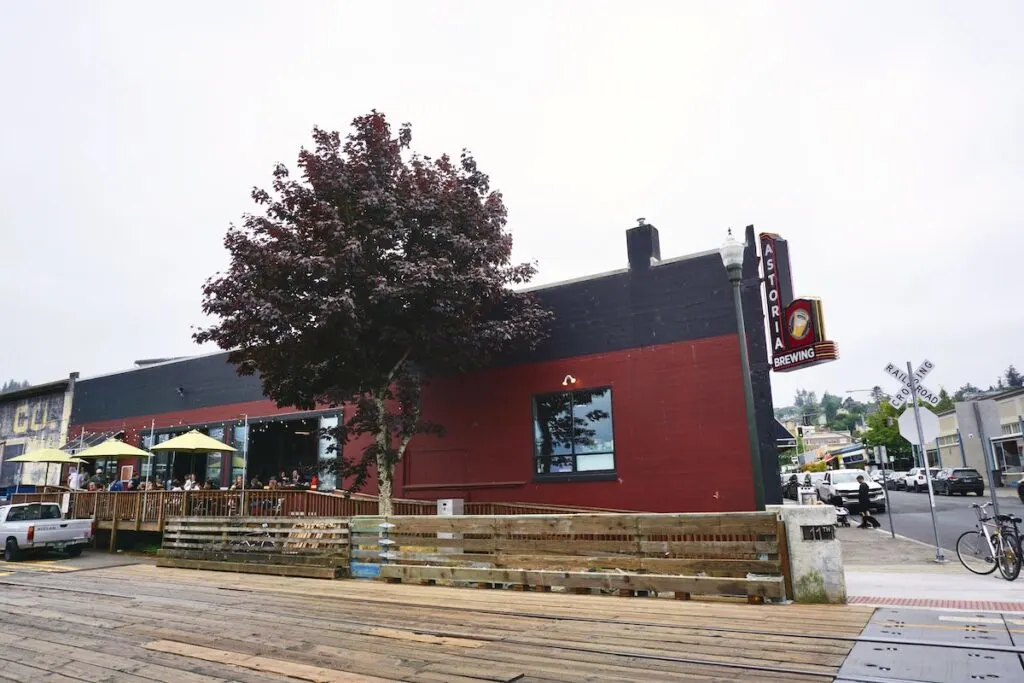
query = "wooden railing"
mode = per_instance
[
  {"x": 148, "y": 510},
  {"x": 721, "y": 554}
]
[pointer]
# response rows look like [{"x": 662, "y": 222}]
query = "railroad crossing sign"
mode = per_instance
[
  {"x": 918, "y": 428},
  {"x": 929, "y": 426},
  {"x": 901, "y": 397}
]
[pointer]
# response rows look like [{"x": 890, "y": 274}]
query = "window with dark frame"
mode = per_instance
[{"x": 572, "y": 433}]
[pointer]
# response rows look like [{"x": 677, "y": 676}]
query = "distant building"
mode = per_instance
[
  {"x": 824, "y": 439},
  {"x": 30, "y": 419},
  {"x": 1007, "y": 445}
]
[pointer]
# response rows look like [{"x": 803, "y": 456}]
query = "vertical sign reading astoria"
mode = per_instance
[{"x": 796, "y": 326}]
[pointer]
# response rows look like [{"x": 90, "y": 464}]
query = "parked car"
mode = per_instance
[
  {"x": 896, "y": 481},
  {"x": 915, "y": 479},
  {"x": 950, "y": 480},
  {"x": 844, "y": 483},
  {"x": 35, "y": 527}
]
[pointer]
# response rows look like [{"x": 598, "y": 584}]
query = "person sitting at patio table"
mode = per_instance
[
  {"x": 297, "y": 479},
  {"x": 238, "y": 484}
]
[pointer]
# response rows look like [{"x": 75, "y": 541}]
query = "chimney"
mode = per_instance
[{"x": 642, "y": 245}]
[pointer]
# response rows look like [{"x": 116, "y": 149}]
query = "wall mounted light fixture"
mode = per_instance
[{"x": 569, "y": 379}]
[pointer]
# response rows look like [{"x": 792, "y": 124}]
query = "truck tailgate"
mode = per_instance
[{"x": 56, "y": 531}]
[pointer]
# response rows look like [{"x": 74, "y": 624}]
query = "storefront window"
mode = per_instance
[
  {"x": 9, "y": 470},
  {"x": 146, "y": 471},
  {"x": 573, "y": 432},
  {"x": 239, "y": 442},
  {"x": 162, "y": 461},
  {"x": 327, "y": 456},
  {"x": 214, "y": 460}
]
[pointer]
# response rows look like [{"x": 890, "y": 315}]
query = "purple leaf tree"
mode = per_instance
[{"x": 370, "y": 272}]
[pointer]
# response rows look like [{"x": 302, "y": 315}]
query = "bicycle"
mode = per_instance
[{"x": 991, "y": 545}]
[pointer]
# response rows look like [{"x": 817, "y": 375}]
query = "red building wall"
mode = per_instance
[
  {"x": 677, "y": 412},
  {"x": 676, "y": 415}
]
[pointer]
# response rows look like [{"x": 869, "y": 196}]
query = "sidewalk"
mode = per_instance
[
  {"x": 1007, "y": 491},
  {"x": 881, "y": 570}
]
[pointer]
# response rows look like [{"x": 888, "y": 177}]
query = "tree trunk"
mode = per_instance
[
  {"x": 384, "y": 466},
  {"x": 384, "y": 475}
]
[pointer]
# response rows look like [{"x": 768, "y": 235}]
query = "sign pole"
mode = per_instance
[
  {"x": 939, "y": 556},
  {"x": 885, "y": 489},
  {"x": 990, "y": 464}
]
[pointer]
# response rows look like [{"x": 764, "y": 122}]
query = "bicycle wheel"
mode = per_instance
[
  {"x": 974, "y": 554},
  {"x": 1009, "y": 558}
]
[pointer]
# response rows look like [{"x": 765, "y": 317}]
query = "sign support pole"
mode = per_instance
[
  {"x": 990, "y": 463},
  {"x": 939, "y": 556}
]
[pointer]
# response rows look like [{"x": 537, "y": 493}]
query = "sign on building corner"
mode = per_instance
[{"x": 796, "y": 326}]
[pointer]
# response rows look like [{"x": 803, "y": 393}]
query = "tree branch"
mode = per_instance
[{"x": 396, "y": 366}]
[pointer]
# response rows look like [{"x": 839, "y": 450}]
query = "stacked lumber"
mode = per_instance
[
  {"x": 734, "y": 554},
  {"x": 257, "y": 545}
]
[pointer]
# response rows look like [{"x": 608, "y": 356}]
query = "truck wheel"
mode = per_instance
[
  {"x": 11, "y": 553},
  {"x": 74, "y": 551}
]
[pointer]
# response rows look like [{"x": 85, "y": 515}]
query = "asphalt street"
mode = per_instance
[{"x": 911, "y": 518}]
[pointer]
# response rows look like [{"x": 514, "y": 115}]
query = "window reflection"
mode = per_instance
[{"x": 572, "y": 431}]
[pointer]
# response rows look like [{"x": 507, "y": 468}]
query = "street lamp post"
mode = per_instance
[{"x": 732, "y": 256}]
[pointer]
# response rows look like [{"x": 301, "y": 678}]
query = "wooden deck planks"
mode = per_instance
[{"x": 403, "y": 632}]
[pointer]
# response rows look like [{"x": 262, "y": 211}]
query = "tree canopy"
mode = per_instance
[
  {"x": 883, "y": 430},
  {"x": 370, "y": 272}
]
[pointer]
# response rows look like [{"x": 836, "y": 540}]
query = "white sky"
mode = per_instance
[{"x": 882, "y": 139}]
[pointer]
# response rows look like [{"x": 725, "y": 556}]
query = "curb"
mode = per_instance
[
  {"x": 946, "y": 551},
  {"x": 932, "y": 603}
]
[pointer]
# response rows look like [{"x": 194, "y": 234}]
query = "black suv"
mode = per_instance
[{"x": 950, "y": 480}]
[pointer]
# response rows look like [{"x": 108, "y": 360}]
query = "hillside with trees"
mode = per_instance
[{"x": 13, "y": 385}]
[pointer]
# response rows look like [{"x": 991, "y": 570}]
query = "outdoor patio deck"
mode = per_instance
[{"x": 140, "y": 622}]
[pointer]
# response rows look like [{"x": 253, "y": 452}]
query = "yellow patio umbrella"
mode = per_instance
[
  {"x": 194, "y": 442},
  {"x": 114, "y": 448},
  {"x": 47, "y": 455}
]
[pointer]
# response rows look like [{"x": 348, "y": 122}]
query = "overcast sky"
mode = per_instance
[{"x": 882, "y": 139}]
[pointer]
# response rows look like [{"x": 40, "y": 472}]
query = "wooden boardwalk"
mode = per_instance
[{"x": 143, "y": 623}]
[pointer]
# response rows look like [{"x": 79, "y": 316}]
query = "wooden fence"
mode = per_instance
[
  {"x": 149, "y": 510},
  {"x": 263, "y": 545},
  {"x": 737, "y": 554}
]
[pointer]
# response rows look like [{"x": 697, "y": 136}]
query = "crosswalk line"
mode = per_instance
[{"x": 43, "y": 567}]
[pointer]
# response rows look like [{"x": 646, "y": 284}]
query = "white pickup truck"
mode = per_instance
[
  {"x": 39, "y": 527},
  {"x": 844, "y": 483}
]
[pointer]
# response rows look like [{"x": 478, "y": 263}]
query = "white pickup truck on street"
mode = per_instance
[
  {"x": 38, "y": 527},
  {"x": 843, "y": 483}
]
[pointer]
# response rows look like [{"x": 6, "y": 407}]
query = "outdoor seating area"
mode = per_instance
[{"x": 148, "y": 510}]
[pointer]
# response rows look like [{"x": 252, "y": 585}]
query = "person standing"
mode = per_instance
[{"x": 864, "y": 505}]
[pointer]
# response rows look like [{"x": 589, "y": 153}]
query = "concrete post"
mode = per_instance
[{"x": 816, "y": 564}]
